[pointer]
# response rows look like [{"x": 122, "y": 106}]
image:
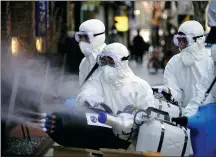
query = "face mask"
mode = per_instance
[
  {"x": 85, "y": 48},
  {"x": 187, "y": 56},
  {"x": 213, "y": 52},
  {"x": 192, "y": 53},
  {"x": 110, "y": 74}
]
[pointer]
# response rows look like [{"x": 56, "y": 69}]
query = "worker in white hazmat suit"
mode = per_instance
[
  {"x": 91, "y": 38},
  {"x": 185, "y": 69},
  {"x": 210, "y": 73},
  {"x": 115, "y": 84}
]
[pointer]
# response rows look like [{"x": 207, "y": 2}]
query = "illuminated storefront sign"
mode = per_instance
[
  {"x": 41, "y": 17},
  {"x": 14, "y": 46},
  {"x": 121, "y": 23}
]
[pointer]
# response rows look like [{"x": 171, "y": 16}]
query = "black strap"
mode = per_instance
[
  {"x": 161, "y": 137},
  {"x": 130, "y": 133},
  {"x": 125, "y": 58},
  {"x": 195, "y": 38},
  {"x": 98, "y": 34},
  {"x": 209, "y": 90},
  {"x": 212, "y": 84},
  {"x": 185, "y": 143},
  {"x": 180, "y": 111},
  {"x": 107, "y": 108},
  {"x": 90, "y": 73}
]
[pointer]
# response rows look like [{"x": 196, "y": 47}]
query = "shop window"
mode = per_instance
[
  {"x": 14, "y": 46},
  {"x": 39, "y": 44}
]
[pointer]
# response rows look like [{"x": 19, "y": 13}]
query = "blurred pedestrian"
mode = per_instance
[
  {"x": 154, "y": 63},
  {"x": 139, "y": 47}
]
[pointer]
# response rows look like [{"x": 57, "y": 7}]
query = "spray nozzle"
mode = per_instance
[
  {"x": 44, "y": 129},
  {"x": 42, "y": 125},
  {"x": 44, "y": 115},
  {"x": 43, "y": 120}
]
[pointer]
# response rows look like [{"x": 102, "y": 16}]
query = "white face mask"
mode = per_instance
[
  {"x": 213, "y": 52},
  {"x": 110, "y": 74},
  {"x": 85, "y": 48},
  {"x": 187, "y": 56},
  {"x": 192, "y": 53}
]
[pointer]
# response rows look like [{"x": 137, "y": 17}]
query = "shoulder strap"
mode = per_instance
[
  {"x": 209, "y": 90},
  {"x": 90, "y": 73}
]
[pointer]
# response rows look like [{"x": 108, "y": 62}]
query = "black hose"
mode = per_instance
[
  {"x": 138, "y": 125},
  {"x": 23, "y": 132},
  {"x": 28, "y": 134}
]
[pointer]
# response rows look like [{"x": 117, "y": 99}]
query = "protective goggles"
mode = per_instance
[
  {"x": 111, "y": 60},
  {"x": 86, "y": 36},
  {"x": 180, "y": 38},
  {"x": 185, "y": 38}
]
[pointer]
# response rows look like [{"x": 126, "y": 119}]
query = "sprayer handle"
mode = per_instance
[
  {"x": 167, "y": 96},
  {"x": 152, "y": 109}
]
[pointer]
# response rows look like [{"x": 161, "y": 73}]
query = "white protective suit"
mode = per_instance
[
  {"x": 184, "y": 70},
  {"x": 209, "y": 75},
  {"x": 92, "y": 49},
  {"x": 116, "y": 86}
]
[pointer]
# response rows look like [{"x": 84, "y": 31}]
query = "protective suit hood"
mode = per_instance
[
  {"x": 117, "y": 75},
  {"x": 196, "y": 47},
  {"x": 94, "y": 27},
  {"x": 191, "y": 28}
]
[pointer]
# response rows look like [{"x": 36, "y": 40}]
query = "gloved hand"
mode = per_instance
[
  {"x": 165, "y": 91},
  {"x": 182, "y": 121},
  {"x": 71, "y": 101}
]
